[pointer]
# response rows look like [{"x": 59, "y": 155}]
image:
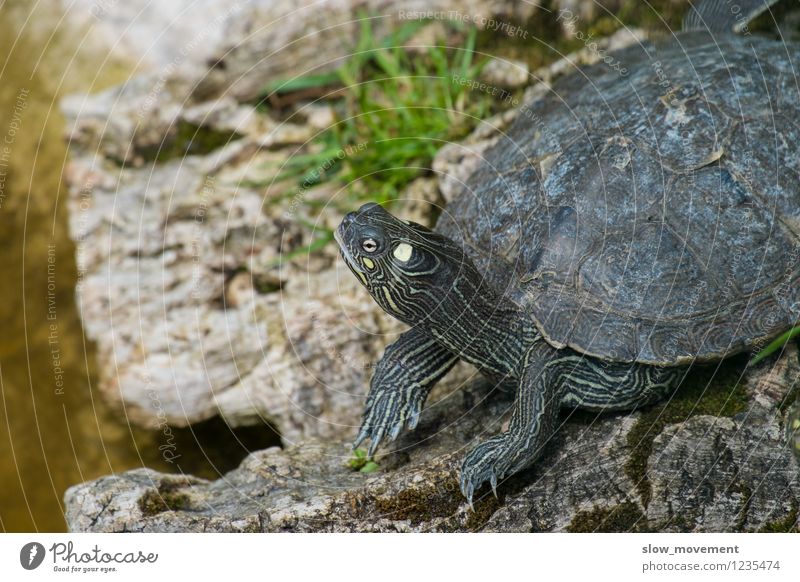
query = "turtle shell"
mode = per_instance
[{"x": 651, "y": 214}]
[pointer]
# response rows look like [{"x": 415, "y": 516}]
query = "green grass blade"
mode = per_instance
[
  {"x": 775, "y": 345},
  {"x": 468, "y": 52},
  {"x": 403, "y": 34},
  {"x": 387, "y": 62},
  {"x": 302, "y": 83}
]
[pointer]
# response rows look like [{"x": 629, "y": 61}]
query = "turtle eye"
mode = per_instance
[{"x": 369, "y": 245}]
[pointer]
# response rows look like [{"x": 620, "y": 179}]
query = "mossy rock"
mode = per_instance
[
  {"x": 716, "y": 390},
  {"x": 187, "y": 139},
  {"x": 625, "y": 517},
  {"x": 156, "y": 501}
]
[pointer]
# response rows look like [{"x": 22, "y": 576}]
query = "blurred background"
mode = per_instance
[{"x": 57, "y": 430}]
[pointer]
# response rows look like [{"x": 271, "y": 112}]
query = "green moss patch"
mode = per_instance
[
  {"x": 362, "y": 463},
  {"x": 186, "y": 139},
  {"x": 168, "y": 497},
  {"x": 713, "y": 390},
  {"x": 789, "y": 524},
  {"x": 421, "y": 505},
  {"x": 625, "y": 517}
]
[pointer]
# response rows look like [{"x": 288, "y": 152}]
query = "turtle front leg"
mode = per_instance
[
  {"x": 404, "y": 376},
  {"x": 549, "y": 380},
  {"x": 533, "y": 421}
]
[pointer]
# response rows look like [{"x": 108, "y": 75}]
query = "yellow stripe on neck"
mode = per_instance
[{"x": 390, "y": 300}]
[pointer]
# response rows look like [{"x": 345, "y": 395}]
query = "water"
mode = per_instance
[{"x": 54, "y": 429}]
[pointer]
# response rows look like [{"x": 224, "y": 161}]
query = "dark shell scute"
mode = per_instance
[
  {"x": 729, "y": 229},
  {"x": 652, "y": 217}
]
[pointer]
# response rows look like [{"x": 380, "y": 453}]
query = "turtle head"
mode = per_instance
[{"x": 407, "y": 268}]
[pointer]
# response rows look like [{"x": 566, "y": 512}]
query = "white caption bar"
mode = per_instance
[{"x": 389, "y": 557}]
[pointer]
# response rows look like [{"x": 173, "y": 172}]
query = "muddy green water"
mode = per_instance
[{"x": 54, "y": 429}]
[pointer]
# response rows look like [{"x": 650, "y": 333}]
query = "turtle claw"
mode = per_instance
[
  {"x": 413, "y": 420},
  {"x": 362, "y": 436},
  {"x": 387, "y": 412},
  {"x": 483, "y": 464},
  {"x": 396, "y": 430},
  {"x": 468, "y": 489},
  {"x": 377, "y": 437}
]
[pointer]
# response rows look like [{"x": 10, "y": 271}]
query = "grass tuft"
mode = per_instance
[{"x": 394, "y": 111}]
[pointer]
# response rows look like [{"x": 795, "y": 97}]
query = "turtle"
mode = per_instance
[{"x": 633, "y": 222}]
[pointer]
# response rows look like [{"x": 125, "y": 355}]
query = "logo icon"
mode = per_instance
[{"x": 31, "y": 555}]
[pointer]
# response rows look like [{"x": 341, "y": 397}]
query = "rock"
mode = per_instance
[
  {"x": 116, "y": 38},
  {"x": 428, "y": 36},
  {"x": 707, "y": 474},
  {"x": 154, "y": 36},
  {"x": 505, "y": 73},
  {"x": 455, "y": 162},
  {"x": 714, "y": 474},
  {"x": 793, "y": 428},
  {"x": 146, "y": 119},
  {"x": 178, "y": 335},
  {"x": 317, "y": 115},
  {"x": 281, "y": 38},
  {"x": 263, "y": 40},
  {"x": 240, "y": 290},
  {"x": 722, "y": 474},
  {"x": 227, "y": 116},
  {"x": 422, "y": 202},
  {"x": 107, "y": 121}
]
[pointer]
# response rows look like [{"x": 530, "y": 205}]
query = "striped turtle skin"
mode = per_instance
[{"x": 624, "y": 228}]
